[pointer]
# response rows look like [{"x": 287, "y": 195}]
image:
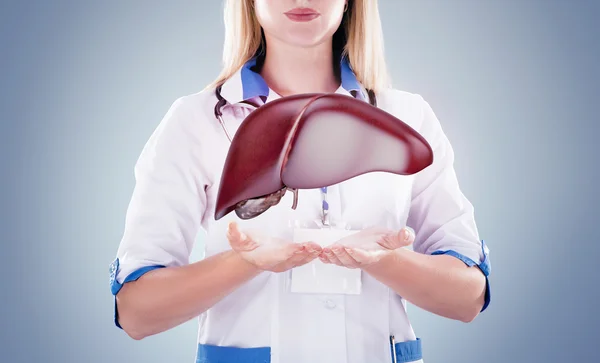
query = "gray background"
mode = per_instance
[{"x": 84, "y": 83}]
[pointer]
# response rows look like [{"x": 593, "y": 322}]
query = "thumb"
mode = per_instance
[
  {"x": 409, "y": 236},
  {"x": 238, "y": 240},
  {"x": 394, "y": 240}
]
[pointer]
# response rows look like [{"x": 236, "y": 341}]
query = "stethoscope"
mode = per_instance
[{"x": 217, "y": 111}]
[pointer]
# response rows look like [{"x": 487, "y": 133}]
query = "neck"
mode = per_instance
[{"x": 292, "y": 70}]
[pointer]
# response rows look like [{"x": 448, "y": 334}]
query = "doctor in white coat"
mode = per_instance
[{"x": 250, "y": 291}]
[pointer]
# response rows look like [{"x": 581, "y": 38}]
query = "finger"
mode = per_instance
[
  {"x": 408, "y": 236},
  {"x": 239, "y": 241},
  {"x": 293, "y": 250},
  {"x": 331, "y": 257},
  {"x": 344, "y": 257},
  {"x": 307, "y": 257},
  {"x": 323, "y": 257},
  {"x": 362, "y": 257},
  {"x": 314, "y": 250},
  {"x": 390, "y": 241},
  {"x": 313, "y": 247},
  {"x": 300, "y": 257},
  {"x": 395, "y": 240}
]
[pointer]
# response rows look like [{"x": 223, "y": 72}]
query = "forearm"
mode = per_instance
[
  {"x": 167, "y": 297},
  {"x": 439, "y": 284}
]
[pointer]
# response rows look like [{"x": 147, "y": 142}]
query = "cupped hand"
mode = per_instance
[
  {"x": 270, "y": 253},
  {"x": 366, "y": 247}
]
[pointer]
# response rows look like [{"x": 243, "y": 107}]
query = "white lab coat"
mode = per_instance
[{"x": 177, "y": 179}]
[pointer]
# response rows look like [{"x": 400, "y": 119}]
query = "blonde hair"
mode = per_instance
[{"x": 364, "y": 45}]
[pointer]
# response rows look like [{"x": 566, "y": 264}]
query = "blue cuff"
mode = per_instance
[
  {"x": 484, "y": 266},
  {"x": 115, "y": 286}
]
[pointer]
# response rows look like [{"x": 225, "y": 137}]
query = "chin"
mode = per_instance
[
  {"x": 305, "y": 40},
  {"x": 305, "y": 43}
]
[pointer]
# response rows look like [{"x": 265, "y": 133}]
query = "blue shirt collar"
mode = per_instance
[
  {"x": 252, "y": 84},
  {"x": 349, "y": 81}
]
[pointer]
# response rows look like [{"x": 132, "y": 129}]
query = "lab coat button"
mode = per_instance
[{"x": 330, "y": 304}]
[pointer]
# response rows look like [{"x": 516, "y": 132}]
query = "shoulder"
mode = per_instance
[
  {"x": 199, "y": 105},
  {"x": 412, "y": 109},
  {"x": 186, "y": 125},
  {"x": 395, "y": 95},
  {"x": 407, "y": 106},
  {"x": 190, "y": 114}
]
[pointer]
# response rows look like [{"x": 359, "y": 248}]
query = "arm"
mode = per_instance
[
  {"x": 439, "y": 284},
  {"x": 167, "y": 297},
  {"x": 154, "y": 285},
  {"x": 447, "y": 272}
]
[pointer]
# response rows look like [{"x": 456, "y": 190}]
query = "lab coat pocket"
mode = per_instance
[{"x": 376, "y": 199}]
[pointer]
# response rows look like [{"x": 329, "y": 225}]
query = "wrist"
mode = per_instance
[
  {"x": 244, "y": 265},
  {"x": 388, "y": 261}
]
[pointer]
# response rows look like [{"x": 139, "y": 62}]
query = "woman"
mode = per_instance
[{"x": 240, "y": 290}]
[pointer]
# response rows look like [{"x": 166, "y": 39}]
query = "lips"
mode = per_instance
[
  {"x": 302, "y": 11},
  {"x": 302, "y": 14}
]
